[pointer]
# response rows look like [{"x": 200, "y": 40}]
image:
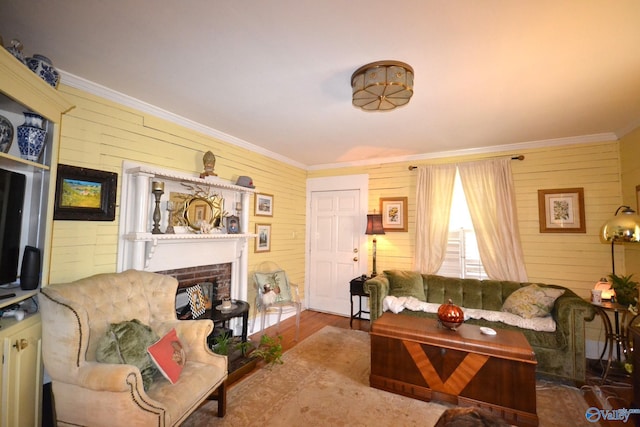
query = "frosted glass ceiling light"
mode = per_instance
[{"x": 382, "y": 85}]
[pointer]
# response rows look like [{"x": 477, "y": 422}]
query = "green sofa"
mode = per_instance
[{"x": 560, "y": 354}]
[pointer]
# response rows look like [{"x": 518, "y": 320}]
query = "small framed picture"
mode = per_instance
[
  {"x": 233, "y": 224},
  {"x": 561, "y": 210},
  {"x": 197, "y": 301},
  {"x": 263, "y": 241},
  {"x": 264, "y": 204},
  {"x": 85, "y": 194},
  {"x": 394, "y": 213}
]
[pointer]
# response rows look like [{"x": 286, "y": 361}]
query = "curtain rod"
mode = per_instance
[{"x": 514, "y": 157}]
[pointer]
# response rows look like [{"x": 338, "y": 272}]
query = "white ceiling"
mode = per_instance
[{"x": 276, "y": 74}]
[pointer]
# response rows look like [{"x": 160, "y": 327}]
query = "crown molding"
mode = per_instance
[{"x": 584, "y": 139}]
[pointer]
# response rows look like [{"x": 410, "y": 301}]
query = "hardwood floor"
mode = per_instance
[{"x": 310, "y": 323}]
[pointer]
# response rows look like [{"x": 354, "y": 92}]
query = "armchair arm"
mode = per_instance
[
  {"x": 106, "y": 377},
  {"x": 377, "y": 288}
]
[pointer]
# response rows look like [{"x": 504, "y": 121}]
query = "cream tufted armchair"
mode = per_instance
[{"x": 74, "y": 318}]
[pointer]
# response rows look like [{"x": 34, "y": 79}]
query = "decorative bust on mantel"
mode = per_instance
[{"x": 209, "y": 161}]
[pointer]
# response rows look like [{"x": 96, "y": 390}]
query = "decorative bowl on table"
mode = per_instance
[{"x": 450, "y": 315}]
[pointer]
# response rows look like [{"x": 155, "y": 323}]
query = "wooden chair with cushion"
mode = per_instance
[
  {"x": 275, "y": 294},
  {"x": 93, "y": 318}
]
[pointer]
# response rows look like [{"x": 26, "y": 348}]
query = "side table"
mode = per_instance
[
  {"x": 616, "y": 335},
  {"x": 357, "y": 290},
  {"x": 221, "y": 318}
]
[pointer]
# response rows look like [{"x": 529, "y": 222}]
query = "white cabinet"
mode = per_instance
[{"x": 21, "y": 375}]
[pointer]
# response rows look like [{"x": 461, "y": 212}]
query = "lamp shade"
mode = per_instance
[
  {"x": 623, "y": 227},
  {"x": 374, "y": 224}
]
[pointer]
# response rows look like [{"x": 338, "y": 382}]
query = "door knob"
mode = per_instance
[
  {"x": 355, "y": 258},
  {"x": 21, "y": 344}
]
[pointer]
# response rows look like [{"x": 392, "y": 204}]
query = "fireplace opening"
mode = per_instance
[{"x": 215, "y": 279}]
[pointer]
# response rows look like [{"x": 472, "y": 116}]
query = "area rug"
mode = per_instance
[{"x": 324, "y": 381}]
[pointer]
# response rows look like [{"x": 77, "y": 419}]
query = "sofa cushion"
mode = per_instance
[
  {"x": 532, "y": 301},
  {"x": 169, "y": 356},
  {"x": 406, "y": 284},
  {"x": 126, "y": 343},
  {"x": 276, "y": 282}
]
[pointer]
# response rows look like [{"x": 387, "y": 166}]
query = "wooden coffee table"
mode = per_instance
[{"x": 419, "y": 358}]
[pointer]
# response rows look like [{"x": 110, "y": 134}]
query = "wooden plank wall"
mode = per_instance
[
  {"x": 574, "y": 260},
  {"x": 100, "y": 134}
]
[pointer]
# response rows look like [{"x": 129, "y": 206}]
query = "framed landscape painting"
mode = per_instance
[
  {"x": 264, "y": 204},
  {"x": 85, "y": 194},
  {"x": 561, "y": 210}
]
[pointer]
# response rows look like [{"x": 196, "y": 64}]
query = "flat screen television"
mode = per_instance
[{"x": 12, "y": 188}]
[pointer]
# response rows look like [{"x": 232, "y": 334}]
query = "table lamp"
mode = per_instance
[
  {"x": 623, "y": 228},
  {"x": 374, "y": 227}
]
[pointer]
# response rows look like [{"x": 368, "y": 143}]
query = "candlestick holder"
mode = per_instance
[
  {"x": 157, "y": 188},
  {"x": 169, "y": 229}
]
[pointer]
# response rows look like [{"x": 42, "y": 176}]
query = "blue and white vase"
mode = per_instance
[
  {"x": 31, "y": 136},
  {"x": 43, "y": 67}
]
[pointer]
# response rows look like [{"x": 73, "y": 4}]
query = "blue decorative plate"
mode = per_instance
[{"x": 6, "y": 134}]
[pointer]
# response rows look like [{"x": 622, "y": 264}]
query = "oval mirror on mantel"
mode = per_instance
[{"x": 198, "y": 209}]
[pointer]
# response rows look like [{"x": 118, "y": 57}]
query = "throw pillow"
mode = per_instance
[
  {"x": 532, "y": 301},
  {"x": 404, "y": 283},
  {"x": 169, "y": 356},
  {"x": 275, "y": 284},
  {"x": 126, "y": 343}
]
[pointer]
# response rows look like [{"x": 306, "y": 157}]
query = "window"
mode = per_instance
[{"x": 462, "y": 258}]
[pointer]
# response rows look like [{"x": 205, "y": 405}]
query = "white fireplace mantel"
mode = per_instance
[{"x": 139, "y": 249}]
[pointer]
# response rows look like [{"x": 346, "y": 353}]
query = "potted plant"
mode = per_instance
[
  {"x": 269, "y": 350},
  {"x": 626, "y": 289}
]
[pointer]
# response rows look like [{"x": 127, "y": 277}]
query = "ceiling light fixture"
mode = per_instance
[{"x": 382, "y": 85}]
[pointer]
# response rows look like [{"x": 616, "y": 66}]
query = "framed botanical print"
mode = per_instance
[
  {"x": 561, "y": 210},
  {"x": 394, "y": 213}
]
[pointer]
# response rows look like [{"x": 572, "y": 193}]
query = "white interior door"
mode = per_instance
[{"x": 337, "y": 219}]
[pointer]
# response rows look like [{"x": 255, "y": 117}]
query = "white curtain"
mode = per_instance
[
  {"x": 434, "y": 191},
  {"x": 488, "y": 187}
]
